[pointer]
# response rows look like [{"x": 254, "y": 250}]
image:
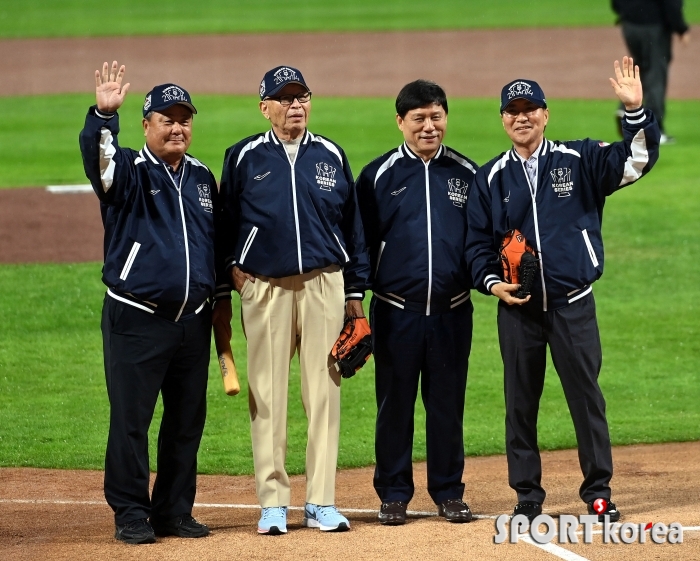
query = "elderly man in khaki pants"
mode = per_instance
[{"x": 294, "y": 245}]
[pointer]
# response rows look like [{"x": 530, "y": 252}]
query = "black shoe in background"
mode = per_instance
[
  {"x": 135, "y": 532},
  {"x": 183, "y": 526}
]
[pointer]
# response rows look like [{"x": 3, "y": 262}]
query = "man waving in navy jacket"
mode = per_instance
[
  {"x": 413, "y": 205},
  {"x": 157, "y": 209},
  {"x": 553, "y": 193}
]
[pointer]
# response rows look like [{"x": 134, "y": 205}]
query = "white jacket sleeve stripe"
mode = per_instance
[{"x": 635, "y": 164}]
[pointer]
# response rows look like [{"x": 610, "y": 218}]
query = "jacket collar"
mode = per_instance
[
  {"x": 411, "y": 154},
  {"x": 541, "y": 150}
]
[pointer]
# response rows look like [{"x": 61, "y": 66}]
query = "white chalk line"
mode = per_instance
[
  {"x": 418, "y": 513},
  {"x": 69, "y": 189}
]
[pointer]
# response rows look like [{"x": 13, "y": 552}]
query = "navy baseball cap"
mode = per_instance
[
  {"x": 523, "y": 89},
  {"x": 277, "y": 78},
  {"x": 164, "y": 96}
]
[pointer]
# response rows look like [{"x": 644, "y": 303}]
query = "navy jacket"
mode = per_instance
[
  {"x": 285, "y": 219},
  {"x": 562, "y": 221},
  {"x": 159, "y": 229},
  {"x": 415, "y": 219}
]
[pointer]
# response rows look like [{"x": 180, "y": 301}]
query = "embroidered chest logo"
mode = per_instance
[
  {"x": 562, "y": 181},
  {"x": 325, "y": 176},
  {"x": 457, "y": 191},
  {"x": 205, "y": 197}
]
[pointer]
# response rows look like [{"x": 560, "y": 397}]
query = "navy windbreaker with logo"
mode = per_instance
[
  {"x": 286, "y": 218},
  {"x": 563, "y": 219},
  {"x": 159, "y": 233},
  {"x": 415, "y": 219}
]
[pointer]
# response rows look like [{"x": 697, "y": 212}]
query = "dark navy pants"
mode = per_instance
[
  {"x": 410, "y": 346},
  {"x": 146, "y": 355},
  {"x": 574, "y": 341}
]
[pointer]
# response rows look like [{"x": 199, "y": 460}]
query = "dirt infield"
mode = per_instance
[
  {"x": 51, "y": 514},
  {"x": 568, "y": 63}
]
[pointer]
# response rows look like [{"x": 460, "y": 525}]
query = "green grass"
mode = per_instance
[
  {"x": 83, "y": 18},
  {"x": 53, "y": 405}
]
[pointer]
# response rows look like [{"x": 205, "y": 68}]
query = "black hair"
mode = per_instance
[{"x": 419, "y": 94}]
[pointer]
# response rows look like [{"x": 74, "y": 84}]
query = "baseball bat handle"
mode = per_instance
[{"x": 228, "y": 368}]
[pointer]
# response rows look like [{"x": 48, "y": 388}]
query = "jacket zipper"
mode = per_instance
[
  {"x": 430, "y": 238},
  {"x": 294, "y": 200},
  {"x": 533, "y": 195},
  {"x": 184, "y": 231}
]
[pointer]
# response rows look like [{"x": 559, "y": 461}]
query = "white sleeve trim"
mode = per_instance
[
  {"x": 635, "y": 163},
  {"x": 107, "y": 152},
  {"x": 462, "y": 161},
  {"x": 490, "y": 280},
  {"x": 252, "y": 144},
  {"x": 386, "y": 165},
  {"x": 329, "y": 146},
  {"x": 498, "y": 166},
  {"x": 103, "y": 115}
]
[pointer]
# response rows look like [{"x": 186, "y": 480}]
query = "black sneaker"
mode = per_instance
[
  {"x": 605, "y": 509},
  {"x": 529, "y": 509},
  {"x": 183, "y": 526},
  {"x": 135, "y": 532}
]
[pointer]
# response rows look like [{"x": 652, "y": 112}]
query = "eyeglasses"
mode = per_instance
[
  {"x": 287, "y": 100},
  {"x": 513, "y": 114}
]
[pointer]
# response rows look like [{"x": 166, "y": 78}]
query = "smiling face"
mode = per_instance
[
  {"x": 169, "y": 133},
  {"x": 524, "y": 122},
  {"x": 287, "y": 122},
  {"x": 423, "y": 129}
]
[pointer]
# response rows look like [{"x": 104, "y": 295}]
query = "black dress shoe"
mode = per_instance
[
  {"x": 393, "y": 513},
  {"x": 183, "y": 526},
  {"x": 530, "y": 509},
  {"x": 135, "y": 532},
  {"x": 455, "y": 510},
  {"x": 609, "y": 510}
]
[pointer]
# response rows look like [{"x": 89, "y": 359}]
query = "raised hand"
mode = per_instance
[
  {"x": 628, "y": 85},
  {"x": 109, "y": 91}
]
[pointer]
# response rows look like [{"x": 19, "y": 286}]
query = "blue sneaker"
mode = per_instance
[
  {"x": 273, "y": 521},
  {"x": 327, "y": 518}
]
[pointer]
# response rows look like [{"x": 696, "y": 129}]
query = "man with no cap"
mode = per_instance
[
  {"x": 553, "y": 193},
  {"x": 413, "y": 205},
  {"x": 296, "y": 255},
  {"x": 157, "y": 210}
]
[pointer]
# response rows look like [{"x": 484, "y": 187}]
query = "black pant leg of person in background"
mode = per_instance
[
  {"x": 574, "y": 342},
  {"x": 140, "y": 352},
  {"x": 650, "y": 47}
]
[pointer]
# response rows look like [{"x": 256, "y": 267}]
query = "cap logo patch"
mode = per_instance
[
  {"x": 173, "y": 93},
  {"x": 147, "y": 103},
  {"x": 262, "y": 88},
  {"x": 285, "y": 74},
  {"x": 520, "y": 89}
]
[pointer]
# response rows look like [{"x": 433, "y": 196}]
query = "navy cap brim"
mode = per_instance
[
  {"x": 541, "y": 105},
  {"x": 283, "y": 85}
]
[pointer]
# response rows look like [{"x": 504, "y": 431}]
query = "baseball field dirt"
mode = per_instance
[{"x": 56, "y": 514}]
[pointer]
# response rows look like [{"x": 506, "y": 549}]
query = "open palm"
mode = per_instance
[
  {"x": 627, "y": 85},
  {"x": 109, "y": 92}
]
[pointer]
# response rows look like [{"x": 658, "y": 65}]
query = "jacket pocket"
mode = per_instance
[
  {"x": 379, "y": 256},
  {"x": 589, "y": 246},
  {"x": 345, "y": 254},
  {"x": 248, "y": 243},
  {"x": 130, "y": 261}
]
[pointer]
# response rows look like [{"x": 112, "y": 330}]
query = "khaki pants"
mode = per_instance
[{"x": 301, "y": 313}]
